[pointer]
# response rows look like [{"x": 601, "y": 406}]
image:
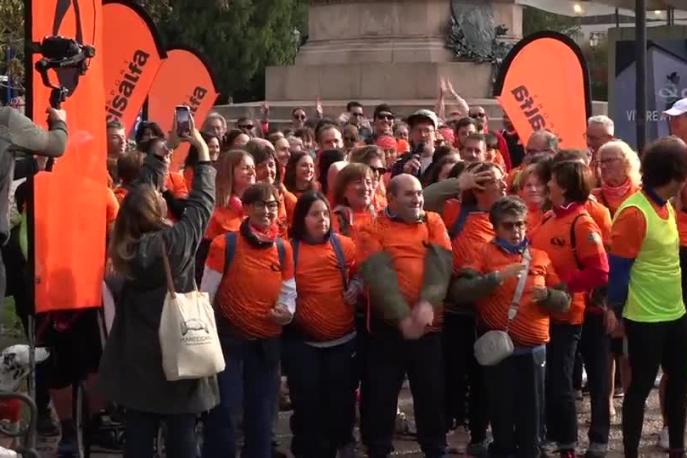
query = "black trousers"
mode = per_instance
[
  {"x": 322, "y": 384},
  {"x": 595, "y": 347},
  {"x": 651, "y": 345},
  {"x": 515, "y": 389},
  {"x": 389, "y": 359},
  {"x": 464, "y": 377},
  {"x": 141, "y": 430},
  {"x": 561, "y": 415}
]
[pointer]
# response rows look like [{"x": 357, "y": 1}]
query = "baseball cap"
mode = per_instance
[
  {"x": 678, "y": 108},
  {"x": 423, "y": 114},
  {"x": 382, "y": 108}
]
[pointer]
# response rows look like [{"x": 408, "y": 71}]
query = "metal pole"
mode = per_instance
[
  {"x": 617, "y": 18},
  {"x": 640, "y": 37}
]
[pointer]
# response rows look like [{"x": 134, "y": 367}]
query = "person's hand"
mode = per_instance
[
  {"x": 449, "y": 87},
  {"x": 280, "y": 315},
  {"x": 412, "y": 166},
  {"x": 265, "y": 108},
  {"x": 173, "y": 139},
  {"x": 469, "y": 180},
  {"x": 612, "y": 324},
  {"x": 41, "y": 162},
  {"x": 442, "y": 86},
  {"x": 318, "y": 108},
  {"x": 352, "y": 292},
  {"x": 539, "y": 293},
  {"x": 410, "y": 329},
  {"x": 55, "y": 115},
  {"x": 423, "y": 313},
  {"x": 511, "y": 270}
]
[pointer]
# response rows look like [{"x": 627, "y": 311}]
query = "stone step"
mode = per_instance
[{"x": 280, "y": 112}]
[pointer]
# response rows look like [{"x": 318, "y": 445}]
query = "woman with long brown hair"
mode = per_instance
[
  {"x": 299, "y": 175},
  {"x": 131, "y": 369},
  {"x": 353, "y": 199}
]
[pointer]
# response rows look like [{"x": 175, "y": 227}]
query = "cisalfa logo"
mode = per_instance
[
  {"x": 127, "y": 85},
  {"x": 529, "y": 108},
  {"x": 196, "y": 98}
]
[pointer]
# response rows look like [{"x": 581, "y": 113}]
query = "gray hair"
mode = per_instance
[
  {"x": 550, "y": 138},
  {"x": 214, "y": 115},
  {"x": 509, "y": 205},
  {"x": 603, "y": 120},
  {"x": 632, "y": 163}
]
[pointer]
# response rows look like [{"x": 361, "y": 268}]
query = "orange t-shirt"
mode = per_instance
[
  {"x": 613, "y": 202},
  {"x": 250, "y": 287},
  {"x": 112, "y": 206},
  {"x": 321, "y": 312},
  {"x": 476, "y": 231},
  {"x": 359, "y": 220},
  {"x": 188, "y": 177},
  {"x": 176, "y": 184},
  {"x": 601, "y": 216},
  {"x": 289, "y": 204},
  {"x": 223, "y": 220},
  {"x": 535, "y": 215},
  {"x": 553, "y": 237},
  {"x": 682, "y": 226},
  {"x": 406, "y": 244},
  {"x": 531, "y": 325},
  {"x": 497, "y": 159},
  {"x": 629, "y": 229}
]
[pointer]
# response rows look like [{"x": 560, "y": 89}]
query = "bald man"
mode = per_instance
[{"x": 407, "y": 267}]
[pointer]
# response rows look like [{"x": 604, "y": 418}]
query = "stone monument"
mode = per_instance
[{"x": 391, "y": 50}]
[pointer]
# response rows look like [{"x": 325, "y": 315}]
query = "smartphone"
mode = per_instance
[{"x": 183, "y": 117}]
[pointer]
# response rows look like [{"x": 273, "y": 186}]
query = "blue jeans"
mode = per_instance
[
  {"x": 322, "y": 384},
  {"x": 251, "y": 381},
  {"x": 141, "y": 430}
]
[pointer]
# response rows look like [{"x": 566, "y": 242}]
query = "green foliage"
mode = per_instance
[
  {"x": 536, "y": 20},
  {"x": 238, "y": 37},
  {"x": 12, "y": 41},
  {"x": 597, "y": 62}
]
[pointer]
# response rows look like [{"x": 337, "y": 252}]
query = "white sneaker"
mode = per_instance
[{"x": 663, "y": 442}]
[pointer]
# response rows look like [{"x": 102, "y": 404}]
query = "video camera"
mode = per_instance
[{"x": 61, "y": 53}]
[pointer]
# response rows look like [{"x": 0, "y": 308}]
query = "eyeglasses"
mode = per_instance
[
  {"x": 246, "y": 126},
  {"x": 386, "y": 116},
  {"x": 478, "y": 115},
  {"x": 510, "y": 225},
  {"x": 299, "y": 116},
  {"x": 270, "y": 205}
]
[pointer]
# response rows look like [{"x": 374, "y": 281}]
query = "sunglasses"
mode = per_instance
[
  {"x": 478, "y": 115},
  {"x": 357, "y": 115},
  {"x": 378, "y": 170},
  {"x": 246, "y": 126},
  {"x": 510, "y": 225},
  {"x": 386, "y": 116},
  {"x": 298, "y": 116}
]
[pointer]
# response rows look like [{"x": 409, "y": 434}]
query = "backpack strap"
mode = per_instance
[
  {"x": 229, "y": 249},
  {"x": 457, "y": 227},
  {"x": 281, "y": 251},
  {"x": 295, "y": 244},
  {"x": 573, "y": 242},
  {"x": 340, "y": 258}
]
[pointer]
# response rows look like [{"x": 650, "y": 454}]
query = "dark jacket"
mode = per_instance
[{"x": 131, "y": 368}]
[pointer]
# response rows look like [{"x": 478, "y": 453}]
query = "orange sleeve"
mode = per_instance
[
  {"x": 349, "y": 252},
  {"x": 627, "y": 233},
  {"x": 287, "y": 272},
  {"x": 602, "y": 217},
  {"x": 551, "y": 277},
  {"x": 112, "y": 206},
  {"x": 450, "y": 212},
  {"x": 438, "y": 234},
  {"x": 216, "y": 254},
  {"x": 588, "y": 239}
]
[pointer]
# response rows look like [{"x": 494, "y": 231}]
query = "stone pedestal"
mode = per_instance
[{"x": 383, "y": 49}]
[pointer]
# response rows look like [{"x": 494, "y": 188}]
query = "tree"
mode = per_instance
[
  {"x": 238, "y": 37},
  {"x": 12, "y": 45},
  {"x": 536, "y": 20}
]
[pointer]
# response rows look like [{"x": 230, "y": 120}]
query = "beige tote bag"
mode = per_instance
[{"x": 188, "y": 333}]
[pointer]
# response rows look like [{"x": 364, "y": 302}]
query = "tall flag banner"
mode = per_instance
[
  {"x": 544, "y": 84},
  {"x": 132, "y": 57},
  {"x": 70, "y": 202},
  {"x": 184, "y": 79}
]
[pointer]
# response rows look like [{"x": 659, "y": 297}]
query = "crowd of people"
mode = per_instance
[{"x": 347, "y": 255}]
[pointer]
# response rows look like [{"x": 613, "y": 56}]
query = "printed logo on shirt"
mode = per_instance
[{"x": 594, "y": 238}]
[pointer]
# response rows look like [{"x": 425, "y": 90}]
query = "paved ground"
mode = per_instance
[{"x": 405, "y": 445}]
